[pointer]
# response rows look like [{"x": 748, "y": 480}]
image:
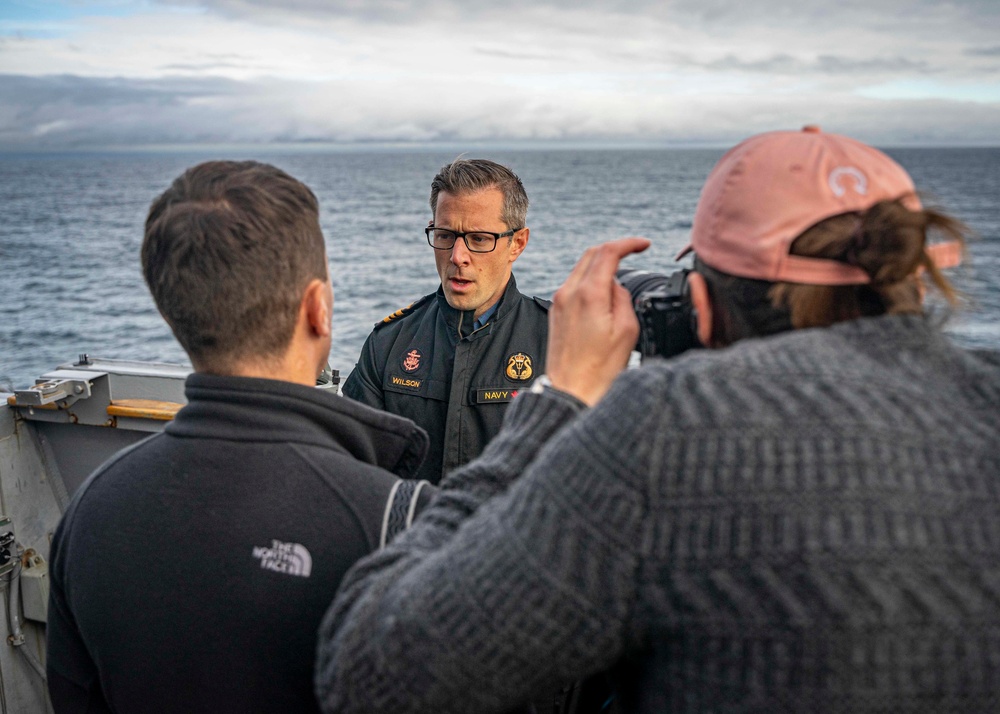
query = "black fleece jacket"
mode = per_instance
[{"x": 190, "y": 571}]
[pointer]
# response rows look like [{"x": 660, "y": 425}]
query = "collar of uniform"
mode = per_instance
[
  {"x": 454, "y": 318},
  {"x": 273, "y": 411},
  {"x": 485, "y": 318}
]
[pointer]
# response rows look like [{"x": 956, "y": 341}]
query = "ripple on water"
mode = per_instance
[{"x": 72, "y": 229}]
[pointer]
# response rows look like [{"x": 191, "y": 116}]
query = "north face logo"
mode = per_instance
[{"x": 289, "y": 558}]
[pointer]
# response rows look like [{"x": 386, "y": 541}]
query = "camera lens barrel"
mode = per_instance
[{"x": 662, "y": 304}]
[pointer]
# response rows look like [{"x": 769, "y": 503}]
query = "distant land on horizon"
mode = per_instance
[{"x": 427, "y": 147}]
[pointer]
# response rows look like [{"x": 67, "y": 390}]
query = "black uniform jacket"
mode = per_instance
[
  {"x": 425, "y": 363},
  {"x": 190, "y": 572}
]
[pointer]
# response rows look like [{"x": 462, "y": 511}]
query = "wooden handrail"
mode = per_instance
[{"x": 144, "y": 409}]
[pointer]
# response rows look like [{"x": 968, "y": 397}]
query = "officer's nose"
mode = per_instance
[{"x": 460, "y": 253}]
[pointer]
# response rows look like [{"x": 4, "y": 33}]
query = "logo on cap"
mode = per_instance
[
  {"x": 412, "y": 360},
  {"x": 837, "y": 185},
  {"x": 519, "y": 367}
]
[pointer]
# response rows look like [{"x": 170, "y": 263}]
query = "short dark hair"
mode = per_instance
[
  {"x": 741, "y": 307},
  {"x": 463, "y": 176},
  {"x": 229, "y": 249}
]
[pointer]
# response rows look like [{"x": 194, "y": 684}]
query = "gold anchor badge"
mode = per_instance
[
  {"x": 519, "y": 367},
  {"x": 412, "y": 360}
]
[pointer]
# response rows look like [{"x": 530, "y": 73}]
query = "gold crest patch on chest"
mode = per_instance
[
  {"x": 519, "y": 367},
  {"x": 411, "y": 362}
]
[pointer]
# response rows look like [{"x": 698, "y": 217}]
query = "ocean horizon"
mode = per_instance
[{"x": 72, "y": 226}]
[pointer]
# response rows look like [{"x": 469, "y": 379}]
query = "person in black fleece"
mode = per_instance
[
  {"x": 805, "y": 519},
  {"x": 190, "y": 571}
]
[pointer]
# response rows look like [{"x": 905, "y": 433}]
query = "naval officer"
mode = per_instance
[{"x": 454, "y": 359}]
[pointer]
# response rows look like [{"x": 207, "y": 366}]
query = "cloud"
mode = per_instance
[
  {"x": 822, "y": 64},
  {"x": 803, "y": 13},
  {"x": 984, "y": 51},
  {"x": 387, "y": 70},
  {"x": 74, "y": 112},
  {"x": 783, "y": 23},
  {"x": 518, "y": 54},
  {"x": 811, "y": 17},
  {"x": 402, "y": 11}
]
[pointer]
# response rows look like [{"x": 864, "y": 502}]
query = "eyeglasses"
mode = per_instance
[{"x": 475, "y": 241}]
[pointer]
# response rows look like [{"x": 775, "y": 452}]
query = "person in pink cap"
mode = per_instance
[{"x": 805, "y": 518}]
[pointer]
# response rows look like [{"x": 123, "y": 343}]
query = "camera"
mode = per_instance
[{"x": 667, "y": 324}]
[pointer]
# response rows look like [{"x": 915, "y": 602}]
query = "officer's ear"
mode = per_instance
[
  {"x": 518, "y": 242},
  {"x": 702, "y": 304}
]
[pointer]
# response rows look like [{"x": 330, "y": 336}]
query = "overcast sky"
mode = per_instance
[{"x": 124, "y": 73}]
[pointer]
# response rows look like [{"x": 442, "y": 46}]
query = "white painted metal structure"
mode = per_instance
[{"x": 52, "y": 436}]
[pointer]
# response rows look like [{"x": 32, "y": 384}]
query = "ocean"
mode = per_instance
[{"x": 71, "y": 227}]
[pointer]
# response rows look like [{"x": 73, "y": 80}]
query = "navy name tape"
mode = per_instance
[{"x": 494, "y": 396}]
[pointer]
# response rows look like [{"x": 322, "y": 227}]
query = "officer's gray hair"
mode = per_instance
[{"x": 463, "y": 176}]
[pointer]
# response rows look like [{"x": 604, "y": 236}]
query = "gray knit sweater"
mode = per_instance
[{"x": 807, "y": 523}]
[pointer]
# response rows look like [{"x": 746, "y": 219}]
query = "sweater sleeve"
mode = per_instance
[{"x": 493, "y": 597}]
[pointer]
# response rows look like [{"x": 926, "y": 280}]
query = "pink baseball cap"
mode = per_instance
[{"x": 770, "y": 188}]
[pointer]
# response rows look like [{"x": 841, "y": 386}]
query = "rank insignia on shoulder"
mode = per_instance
[
  {"x": 497, "y": 395},
  {"x": 403, "y": 311},
  {"x": 399, "y": 313},
  {"x": 519, "y": 367},
  {"x": 411, "y": 361}
]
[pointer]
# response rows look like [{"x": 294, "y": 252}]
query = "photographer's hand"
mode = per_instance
[{"x": 592, "y": 323}]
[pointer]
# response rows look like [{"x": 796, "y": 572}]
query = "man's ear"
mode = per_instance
[
  {"x": 702, "y": 304},
  {"x": 518, "y": 242},
  {"x": 317, "y": 307}
]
